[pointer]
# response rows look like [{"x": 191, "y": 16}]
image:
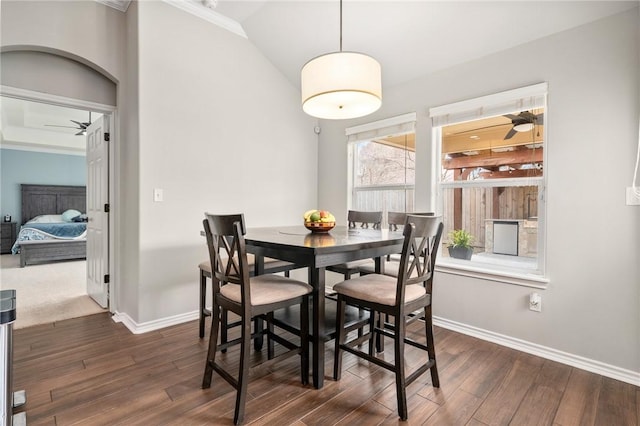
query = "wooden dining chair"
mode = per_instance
[
  {"x": 396, "y": 220},
  {"x": 248, "y": 297},
  {"x": 397, "y": 298},
  {"x": 363, "y": 220}
]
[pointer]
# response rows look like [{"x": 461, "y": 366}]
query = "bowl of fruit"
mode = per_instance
[{"x": 319, "y": 221}]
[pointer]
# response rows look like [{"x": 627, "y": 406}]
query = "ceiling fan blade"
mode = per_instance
[
  {"x": 511, "y": 133},
  {"x": 80, "y": 133},
  {"x": 81, "y": 125},
  {"x": 55, "y": 125},
  {"x": 512, "y": 117},
  {"x": 481, "y": 128}
]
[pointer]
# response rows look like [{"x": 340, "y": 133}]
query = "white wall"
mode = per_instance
[
  {"x": 591, "y": 307},
  {"x": 221, "y": 130}
]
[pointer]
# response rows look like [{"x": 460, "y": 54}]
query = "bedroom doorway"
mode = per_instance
[{"x": 106, "y": 113}]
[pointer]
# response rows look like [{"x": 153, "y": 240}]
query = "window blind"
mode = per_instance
[
  {"x": 524, "y": 98},
  {"x": 394, "y": 126}
]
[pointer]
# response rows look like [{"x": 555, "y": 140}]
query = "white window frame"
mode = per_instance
[{"x": 521, "y": 99}]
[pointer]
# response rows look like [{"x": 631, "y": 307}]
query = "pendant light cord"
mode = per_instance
[{"x": 341, "y": 25}]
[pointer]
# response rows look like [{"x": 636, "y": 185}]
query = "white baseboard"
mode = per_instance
[
  {"x": 607, "y": 370},
  {"x": 139, "y": 328}
]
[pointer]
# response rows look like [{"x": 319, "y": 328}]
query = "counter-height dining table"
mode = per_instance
[{"x": 317, "y": 251}]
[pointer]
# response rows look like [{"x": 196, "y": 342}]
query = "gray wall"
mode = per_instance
[
  {"x": 18, "y": 167},
  {"x": 220, "y": 130},
  {"x": 591, "y": 307},
  {"x": 86, "y": 31},
  {"x": 128, "y": 219},
  {"x": 47, "y": 73}
]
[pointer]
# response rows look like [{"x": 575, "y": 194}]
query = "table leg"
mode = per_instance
[
  {"x": 317, "y": 281},
  {"x": 258, "y": 269}
]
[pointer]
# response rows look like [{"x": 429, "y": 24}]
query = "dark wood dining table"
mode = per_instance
[{"x": 317, "y": 251}]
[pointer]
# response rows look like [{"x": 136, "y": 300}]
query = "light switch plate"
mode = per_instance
[
  {"x": 632, "y": 199},
  {"x": 158, "y": 195}
]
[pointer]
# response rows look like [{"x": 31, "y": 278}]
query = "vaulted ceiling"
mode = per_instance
[{"x": 409, "y": 38}]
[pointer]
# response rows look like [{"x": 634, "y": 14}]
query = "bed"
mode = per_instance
[{"x": 46, "y": 244}]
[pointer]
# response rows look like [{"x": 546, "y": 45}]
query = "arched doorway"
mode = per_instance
[{"x": 55, "y": 80}]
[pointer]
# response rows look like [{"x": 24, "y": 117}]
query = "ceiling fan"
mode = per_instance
[
  {"x": 82, "y": 126},
  {"x": 523, "y": 122}
]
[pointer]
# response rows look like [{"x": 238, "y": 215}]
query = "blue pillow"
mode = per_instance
[{"x": 68, "y": 215}]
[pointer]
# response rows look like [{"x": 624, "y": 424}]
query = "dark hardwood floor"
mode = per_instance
[{"x": 93, "y": 371}]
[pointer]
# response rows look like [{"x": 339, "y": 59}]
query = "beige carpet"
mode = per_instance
[{"x": 47, "y": 293}]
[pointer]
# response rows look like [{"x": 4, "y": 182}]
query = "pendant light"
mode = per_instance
[{"x": 341, "y": 85}]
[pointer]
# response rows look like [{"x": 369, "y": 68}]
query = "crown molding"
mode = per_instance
[
  {"x": 121, "y": 5},
  {"x": 197, "y": 8}
]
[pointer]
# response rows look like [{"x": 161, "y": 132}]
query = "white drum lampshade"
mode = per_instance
[{"x": 341, "y": 85}]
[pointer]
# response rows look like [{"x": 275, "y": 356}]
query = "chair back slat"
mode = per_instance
[
  {"x": 227, "y": 251},
  {"x": 397, "y": 219},
  {"x": 365, "y": 219},
  {"x": 421, "y": 242}
]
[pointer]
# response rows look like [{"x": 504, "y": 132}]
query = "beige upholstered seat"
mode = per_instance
[
  {"x": 378, "y": 288},
  {"x": 267, "y": 289},
  {"x": 248, "y": 297},
  {"x": 271, "y": 266},
  {"x": 397, "y": 298}
]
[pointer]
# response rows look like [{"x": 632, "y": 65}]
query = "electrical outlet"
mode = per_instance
[
  {"x": 632, "y": 198},
  {"x": 158, "y": 195},
  {"x": 535, "y": 302}
]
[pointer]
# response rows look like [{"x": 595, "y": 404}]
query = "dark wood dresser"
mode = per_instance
[{"x": 7, "y": 236}]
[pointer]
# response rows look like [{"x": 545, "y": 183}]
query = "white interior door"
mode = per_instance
[{"x": 97, "y": 211}]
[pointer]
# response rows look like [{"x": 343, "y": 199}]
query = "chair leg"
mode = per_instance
[
  {"x": 372, "y": 332},
  {"x": 258, "y": 327},
  {"x": 431, "y": 347},
  {"x": 340, "y": 337},
  {"x": 243, "y": 374},
  {"x": 401, "y": 388},
  {"x": 304, "y": 340},
  {"x": 360, "y": 330},
  {"x": 379, "y": 336},
  {"x": 213, "y": 346},
  {"x": 347, "y": 276},
  {"x": 270, "y": 332},
  {"x": 224, "y": 327},
  {"x": 203, "y": 299}
]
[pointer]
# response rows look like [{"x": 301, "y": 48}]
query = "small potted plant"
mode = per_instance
[{"x": 460, "y": 246}]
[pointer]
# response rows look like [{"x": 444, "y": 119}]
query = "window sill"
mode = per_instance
[{"x": 494, "y": 273}]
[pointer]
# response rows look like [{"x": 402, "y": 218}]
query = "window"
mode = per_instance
[
  {"x": 491, "y": 182},
  {"x": 382, "y": 169}
]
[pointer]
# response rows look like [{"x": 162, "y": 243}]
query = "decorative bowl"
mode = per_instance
[{"x": 319, "y": 227}]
